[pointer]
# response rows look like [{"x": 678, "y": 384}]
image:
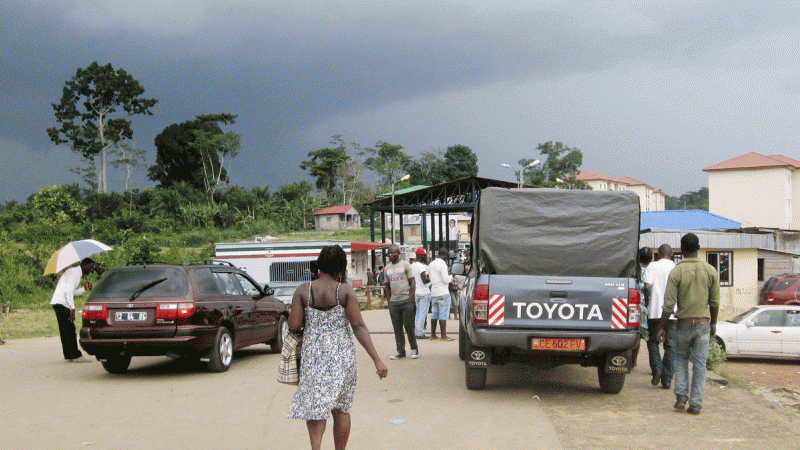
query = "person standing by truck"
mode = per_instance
[
  {"x": 422, "y": 294},
  {"x": 400, "y": 291},
  {"x": 693, "y": 288},
  {"x": 655, "y": 286},
  {"x": 440, "y": 293}
]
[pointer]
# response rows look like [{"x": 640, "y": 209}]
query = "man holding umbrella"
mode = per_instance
[{"x": 64, "y": 305}]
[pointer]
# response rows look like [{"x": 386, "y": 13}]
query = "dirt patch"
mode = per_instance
[{"x": 777, "y": 381}]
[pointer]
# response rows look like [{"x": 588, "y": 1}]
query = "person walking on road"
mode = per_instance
[
  {"x": 326, "y": 309},
  {"x": 693, "y": 288},
  {"x": 655, "y": 286},
  {"x": 400, "y": 292},
  {"x": 63, "y": 303},
  {"x": 440, "y": 293},
  {"x": 422, "y": 293}
]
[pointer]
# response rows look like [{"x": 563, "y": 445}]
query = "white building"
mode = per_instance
[
  {"x": 756, "y": 190},
  {"x": 650, "y": 199},
  {"x": 337, "y": 218}
]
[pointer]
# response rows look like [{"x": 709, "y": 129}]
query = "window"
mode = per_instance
[
  {"x": 769, "y": 318},
  {"x": 723, "y": 262},
  {"x": 793, "y": 318},
  {"x": 228, "y": 281},
  {"x": 249, "y": 288},
  {"x": 760, "y": 269}
]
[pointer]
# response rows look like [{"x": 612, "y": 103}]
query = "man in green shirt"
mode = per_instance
[{"x": 693, "y": 288}]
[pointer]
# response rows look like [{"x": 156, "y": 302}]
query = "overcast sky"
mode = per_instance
[{"x": 652, "y": 90}]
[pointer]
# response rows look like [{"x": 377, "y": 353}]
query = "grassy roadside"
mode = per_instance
[
  {"x": 33, "y": 317},
  {"x": 34, "y": 323}
]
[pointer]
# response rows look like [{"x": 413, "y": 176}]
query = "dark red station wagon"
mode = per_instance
[
  {"x": 205, "y": 309},
  {"x": 781, "y": 290}
]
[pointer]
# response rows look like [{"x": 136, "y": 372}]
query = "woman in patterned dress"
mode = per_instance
[{"x": 325, "y": 309}]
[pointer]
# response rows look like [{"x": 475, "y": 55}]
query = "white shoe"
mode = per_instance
[
  {"x": 414, "y": 354},
  {"x": 80, "y": 359}
]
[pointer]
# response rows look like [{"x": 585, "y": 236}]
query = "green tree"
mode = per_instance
[
  {"x": 560, "y": 162},
  {"x": 460, "y": 162},
  {"x": 194, "y": 152},
  {"x": 88, "y": 102},
  {"x": 325, "y": 163},
  {"x": 129, "y": 158},
  {"x": 349, "y": 176},
  {"x": 55, "y": 207},
  {"x": 690, "y": 200},
  {"x": 429, "y": 169},
  {"x": 389, "y": 162}
]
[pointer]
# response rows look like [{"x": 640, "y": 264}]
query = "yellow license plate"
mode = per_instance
[{"x": 564, "y": 345}]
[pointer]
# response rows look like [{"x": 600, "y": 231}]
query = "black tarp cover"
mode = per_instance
[{"x": 557, "y": 232}]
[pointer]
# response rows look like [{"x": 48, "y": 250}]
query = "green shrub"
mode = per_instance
[{"x": 716, "y": 355}]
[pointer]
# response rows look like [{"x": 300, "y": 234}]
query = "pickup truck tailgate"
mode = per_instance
[{"x": 566, "y": 303}]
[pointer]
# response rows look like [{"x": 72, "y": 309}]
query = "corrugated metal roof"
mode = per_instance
[
  {"x": 693, "y": 219},
  {"x": 709, "y": 239},
  {"x": 403, "y": 191}
]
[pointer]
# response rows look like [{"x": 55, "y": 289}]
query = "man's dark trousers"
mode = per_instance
[
  {"x": 403, "y": 314},
  {"x": 66, "y": 328}
]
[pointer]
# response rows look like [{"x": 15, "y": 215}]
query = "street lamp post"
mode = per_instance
[
  {"x": 404, "y": 178},
  {"x": 529, "y": 165}
]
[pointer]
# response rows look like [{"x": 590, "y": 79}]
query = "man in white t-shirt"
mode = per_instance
[
  {"x": 655, "y": 285},
  {"x": 439, "y": 272},
  {"x": 63, "y": 303},
  {"x": 422, "y": 293}
]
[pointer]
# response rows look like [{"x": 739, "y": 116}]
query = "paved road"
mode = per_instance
[{"x": 164, "y": 404}]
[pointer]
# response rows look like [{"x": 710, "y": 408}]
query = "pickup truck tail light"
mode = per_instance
[
  {"x": 480, "y": 304},
  {"x": 94, "y": 312},
  {"x": 172, "y": 311},
  {"x": 634, "y": 308}
]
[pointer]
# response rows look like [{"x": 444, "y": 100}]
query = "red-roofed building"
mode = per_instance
[
  {"x": 337, "y": 218},
  {"x": 756, "y": 190},
  {"x": 650, "y": 199}
]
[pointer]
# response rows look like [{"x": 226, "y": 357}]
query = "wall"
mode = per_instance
[
  {"x": 754, "y": 197},
  {"x": 744, "y": 292}
]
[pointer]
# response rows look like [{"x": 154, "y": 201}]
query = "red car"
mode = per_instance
[
  {"x": 203, "y": 309},
  {"x": 781, "y": 290}
]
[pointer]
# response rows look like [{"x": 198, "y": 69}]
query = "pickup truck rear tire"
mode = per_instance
[
  {"x": 610, "y": 383},
  {"x": 462, "y": 337}
]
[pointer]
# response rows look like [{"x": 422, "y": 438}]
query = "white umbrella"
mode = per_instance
[{"x": 72, "y": 253}]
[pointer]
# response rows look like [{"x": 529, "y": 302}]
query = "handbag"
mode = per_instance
[{"x": 289, "y": 366}]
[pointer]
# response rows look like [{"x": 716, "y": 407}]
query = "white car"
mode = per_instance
[
  {"x": 284, "y": 293},
  {"x": 772, "y": 331}
]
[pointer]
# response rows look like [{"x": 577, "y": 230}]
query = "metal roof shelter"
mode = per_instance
[{"x": 439, "y": 201}]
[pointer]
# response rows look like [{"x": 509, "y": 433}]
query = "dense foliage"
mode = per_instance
[
  {"x": 690, "y": 200},
  {"x": 159, "y": 224}
]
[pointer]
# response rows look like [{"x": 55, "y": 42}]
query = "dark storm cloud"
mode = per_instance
[{"x": 297, "y": 73}]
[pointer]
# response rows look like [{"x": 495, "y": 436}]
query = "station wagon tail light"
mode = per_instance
[
  {"x": 634, "y": 308},
  {"x": 94, "y": 312},
  {"x": 480, "y": 304},
  {"x": 172, "y": 311}
]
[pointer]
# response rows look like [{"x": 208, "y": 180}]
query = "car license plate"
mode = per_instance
[
  {"x": 130, "y": 316},
  {"x": 564, "y": 345}
]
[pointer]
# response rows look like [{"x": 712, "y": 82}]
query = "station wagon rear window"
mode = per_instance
[{"x": 125, "y": 283}]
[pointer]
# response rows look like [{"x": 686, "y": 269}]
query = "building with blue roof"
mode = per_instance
[
  {"x": 744, "y": 257},
  {"x": 691, "y": 219}
]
